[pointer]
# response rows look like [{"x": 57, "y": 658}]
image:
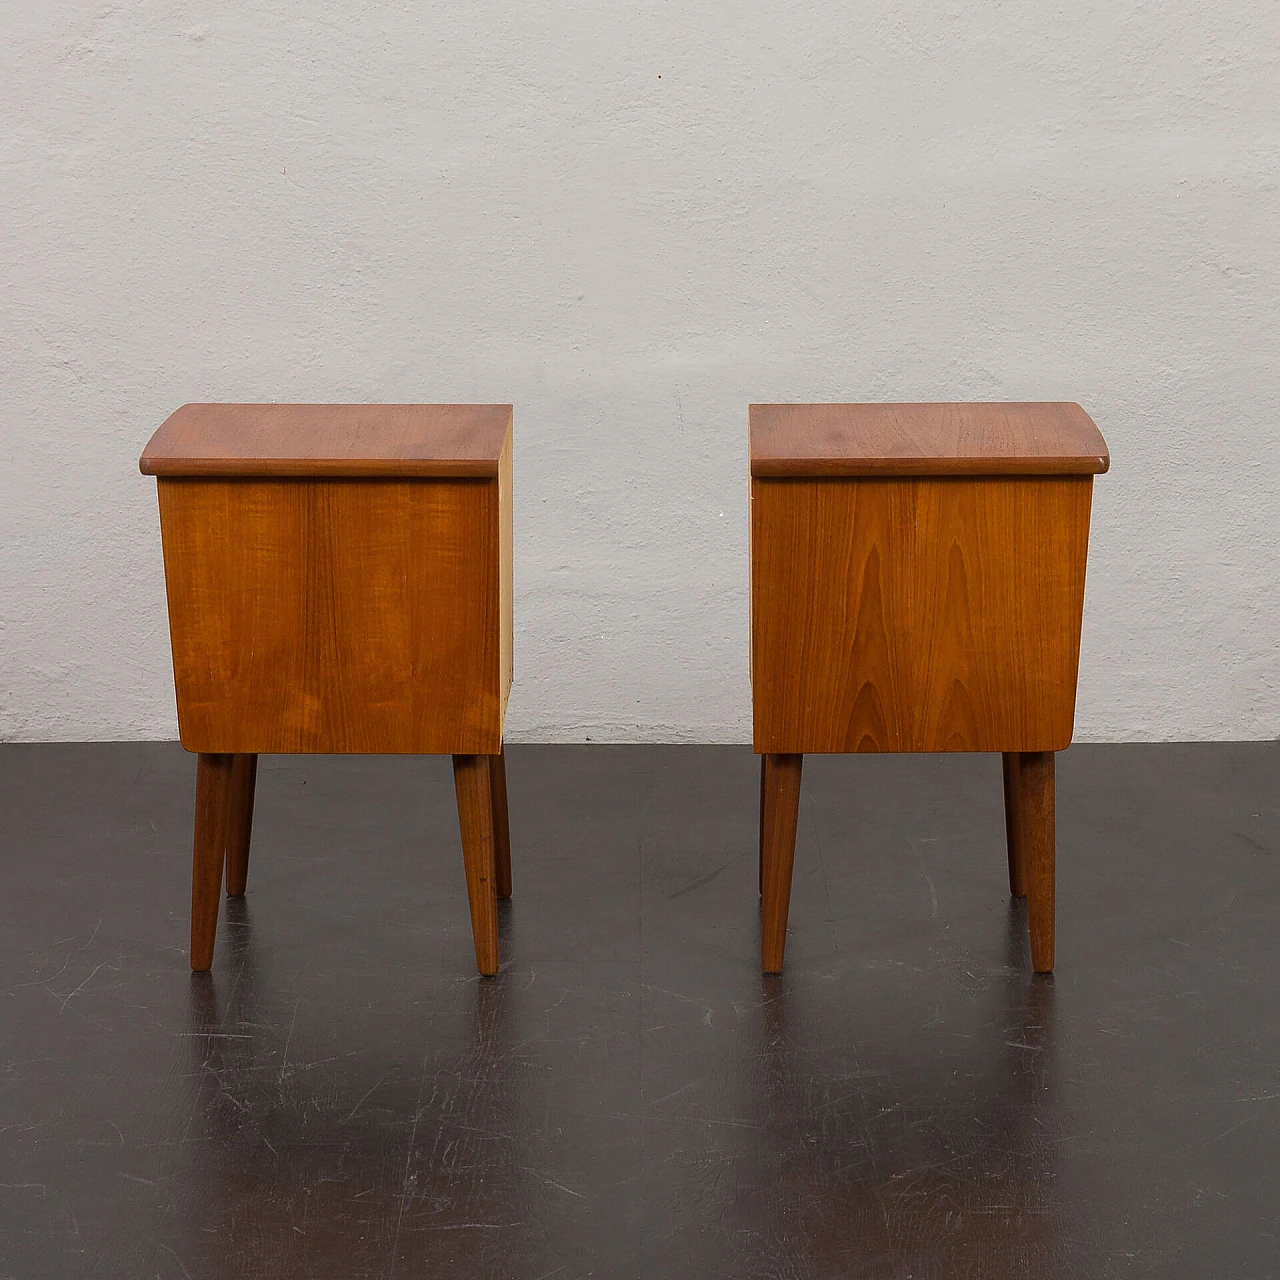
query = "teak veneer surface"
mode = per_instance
[
  {"x": 397, "y": 440},
  {"x": 929, "y": 614},
  {"x": 924, "y": 439},
  {"x": 339, "y": 581},
  {"x": 339, "y": 616}
]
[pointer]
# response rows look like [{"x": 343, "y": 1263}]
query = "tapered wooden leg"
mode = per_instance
[
  {"x": 781, "y": 785},
  {"x": 1035, "y": 813},
  {"x": 760, "y": 852},
  {"x": 244, "y": 776},
  {"x": 1012, "y": 831},
  {"x": 471, "y": 780},
  {"x": 501, "y": 825},
  {"x": 213, "y": 799}
]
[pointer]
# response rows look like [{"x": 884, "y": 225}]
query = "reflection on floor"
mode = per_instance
[{"x": 342, "y": 1097}]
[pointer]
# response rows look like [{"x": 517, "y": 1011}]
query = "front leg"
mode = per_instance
[{"x": 472, "y": 782}]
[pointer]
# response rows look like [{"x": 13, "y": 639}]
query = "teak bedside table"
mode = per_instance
[
  {"x": 917, "y": 584},
  {"x": 339, "y": 580}
]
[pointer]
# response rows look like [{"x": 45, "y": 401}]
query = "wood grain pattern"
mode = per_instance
[
  {"x": 213, "y": 801},
  {"x": 471, "y": 777},
  {"x": 917, "y": 615},
  {"x": 781, "y": 812},
  {"x": 244, "y": 778},
  {"x": 389, "y": 440},
  {"x": 338, "y": 615},
  {"x": 339, "y": 579},
  {"x": 924, "y": 439},
  {"x": 1037, "y": 837}
]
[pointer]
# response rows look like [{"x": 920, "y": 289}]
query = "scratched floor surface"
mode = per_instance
[{"x": 343, "y": 1098}]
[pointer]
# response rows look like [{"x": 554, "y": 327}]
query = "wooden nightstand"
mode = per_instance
[
  {"x": 339, "y": 580},
  {"x": 917, "y": 584}
]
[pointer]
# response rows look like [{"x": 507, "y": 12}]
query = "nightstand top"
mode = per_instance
[
  {"x": 924, "y": 440},
  {"x": 404, "y": 440}
]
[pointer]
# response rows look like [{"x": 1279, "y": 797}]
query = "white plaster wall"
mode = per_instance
[{"x": 631, "y": 220}]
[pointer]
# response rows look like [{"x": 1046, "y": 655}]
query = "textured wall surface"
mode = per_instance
[{"x": 631, "y": 221}]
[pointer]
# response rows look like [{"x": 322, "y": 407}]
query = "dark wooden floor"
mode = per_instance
[{"x": 343, "y": 1098}]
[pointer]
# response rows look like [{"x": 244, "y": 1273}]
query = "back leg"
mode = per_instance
[
  {"x": 501, "y": 823},
  {"x": 213, "y": 798},
  {"x": 1013, "y": 826},
  {"x": 244, "y": 776},
  {"x": 781, "y": 814}
]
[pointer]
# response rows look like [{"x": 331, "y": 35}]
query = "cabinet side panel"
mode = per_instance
[
  {"x": 335, "y": 615},
  {"x": 917, "y": 615},
  {"x": 505, "y": 558}
]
